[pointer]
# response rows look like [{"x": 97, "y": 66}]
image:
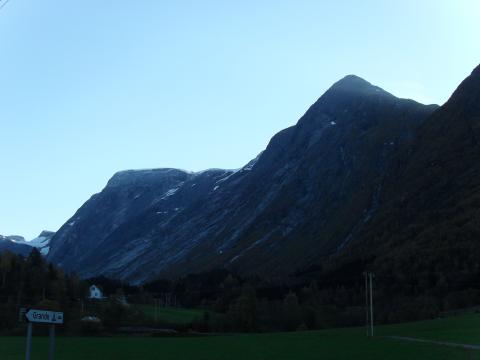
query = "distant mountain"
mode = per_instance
[
  {"x": 42, "y": 241},
  {"x": 18, "y": 245},
  {"x": 302, "y": 200},
  {"x": 15, "y": 244}
]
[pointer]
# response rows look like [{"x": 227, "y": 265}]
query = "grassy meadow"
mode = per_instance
[
  {"x": 348, "y": 343},
  {"x": 171, "y": 315}
]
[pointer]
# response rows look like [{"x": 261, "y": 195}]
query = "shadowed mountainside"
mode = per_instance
[{"x": 303, "y": 199}]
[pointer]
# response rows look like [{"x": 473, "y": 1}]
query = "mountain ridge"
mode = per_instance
[
  {"x": 18, "y": 245},
  {"x": 427, "y": 222},
  {"x": 270, "y": 217}
]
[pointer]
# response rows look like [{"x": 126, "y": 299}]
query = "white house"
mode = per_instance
[{"x": 95, "y": 293}]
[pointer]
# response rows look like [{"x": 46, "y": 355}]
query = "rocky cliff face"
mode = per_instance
[{"x": 304, "y": 198}]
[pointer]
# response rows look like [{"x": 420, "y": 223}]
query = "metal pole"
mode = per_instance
[
  {"x": 371, "y": 304},
  {"x": 51, "y": 349},
  {"x": 366, "y": 302},
  {"x": 29, "y": 341}
]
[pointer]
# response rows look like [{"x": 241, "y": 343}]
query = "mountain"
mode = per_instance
[
  {"x": 96, "y": 230},
  {"x": 18, "y": 245},
  {"x": 42, "y": 241},
  {"x": 428, "y": 220},
  {"x": 302, "y": 200},
  {"x": 15, "y": 244}
]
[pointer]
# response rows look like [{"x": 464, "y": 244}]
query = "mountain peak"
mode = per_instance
[
  {"x": 355, "y": 84},
  {"x": 46, "y": 233},
  {"x": 353, "y": 79},
  {"x": 347, "y": 92}
]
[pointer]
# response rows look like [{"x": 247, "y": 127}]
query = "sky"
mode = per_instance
[{"x": 88, "y": 88}]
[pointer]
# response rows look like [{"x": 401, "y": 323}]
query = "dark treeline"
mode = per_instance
[
  {"x": 313, "y": 299},
  {"x": 31, "y": 281},
  {"x": 321, "y": 297},
  {"x": 235, "y": 304}
]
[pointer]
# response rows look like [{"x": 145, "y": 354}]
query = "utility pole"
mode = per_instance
[
  {"x": 51, "y": 349},
  {"x": 366, "y": 303},
  {"x": 28, "y": 350},
  {"x": 371, "y": 304}
]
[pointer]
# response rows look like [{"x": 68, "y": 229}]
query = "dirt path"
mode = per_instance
[{"x": 443, "y": 343}]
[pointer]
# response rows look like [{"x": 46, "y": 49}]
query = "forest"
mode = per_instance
[{"x": 316, "y": 299}]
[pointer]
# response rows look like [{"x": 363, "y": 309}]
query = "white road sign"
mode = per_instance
[{"x": 44, "y": 316}]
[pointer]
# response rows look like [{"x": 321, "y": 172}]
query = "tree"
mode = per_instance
[
  {"x": 292, "y": 312},
  {"x": 6, "y": 261},
  {"x": 243, "y": 310}
]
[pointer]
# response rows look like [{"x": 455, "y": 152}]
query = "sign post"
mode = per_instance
[
  {"x": 51, "y": 348},
  {"x": 29, "y": 341},
  {"x": 43, "y": 317}
]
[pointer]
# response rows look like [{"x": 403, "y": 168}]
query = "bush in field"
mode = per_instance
[{"x": 90, "y": 325}]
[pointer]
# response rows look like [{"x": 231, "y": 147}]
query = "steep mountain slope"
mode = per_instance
[
  {"x": 428, "y": 224},
  {"x": 126, "y": 198},
  {"x": 305, "y": 197}
]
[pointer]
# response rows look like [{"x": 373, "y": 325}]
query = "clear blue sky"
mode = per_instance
[{"x": 91, "y": 87}]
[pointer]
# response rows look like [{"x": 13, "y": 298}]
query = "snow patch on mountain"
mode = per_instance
[
  {"x": 252, "y": 163},
  {"x": 13, "y": 238},
  {"x": 170, "y": 193},
  {"x": 42, "y": 242},
  {"x": 247, "y": 167}
]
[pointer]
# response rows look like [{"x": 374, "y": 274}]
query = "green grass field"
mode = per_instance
[
  {"x": 332, "y": 344},
  {"x": 171, "y": 315},
  {"x": 463, "y": 329}
]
